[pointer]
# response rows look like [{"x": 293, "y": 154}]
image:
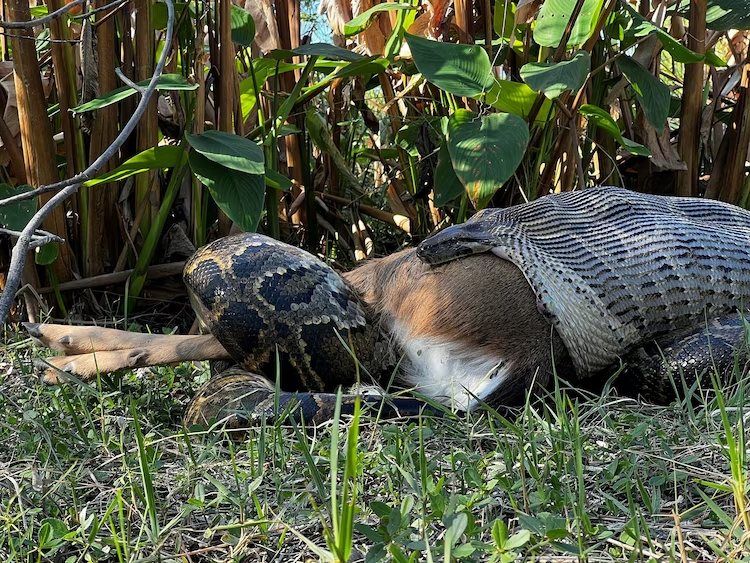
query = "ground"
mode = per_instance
[{"x": 106, "y": 472}]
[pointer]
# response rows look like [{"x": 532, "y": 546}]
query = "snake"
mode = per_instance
[{"x": 584, "y": 283}]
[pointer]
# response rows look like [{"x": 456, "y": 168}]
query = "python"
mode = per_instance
[{"x": 581, "y": 284}]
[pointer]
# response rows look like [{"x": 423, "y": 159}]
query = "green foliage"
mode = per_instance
[
  {"x": 463, "y": 70},
  {"x": 555, "y": 78},
  {"x": 553, "y": 18},
  {"x": 485, "y": 150},
  {"x": 17, "y": 215},
  {"x": 652, "y": 95},
  {"x": 365, "y": 19}
]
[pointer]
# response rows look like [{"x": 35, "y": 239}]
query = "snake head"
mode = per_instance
[
  {"x": 456, "y": 242},
  {"x": 260, "y": 297}
]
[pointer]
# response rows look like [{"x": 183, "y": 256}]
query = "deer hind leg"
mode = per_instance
[{"x": 91, "y": 350}]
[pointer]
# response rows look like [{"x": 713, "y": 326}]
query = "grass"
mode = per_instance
[{"x": 106, "y": 472}]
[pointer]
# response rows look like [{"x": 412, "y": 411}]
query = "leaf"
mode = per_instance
[
  {"x": 166, "y": 82},
  {"x": 243, "y": 26},
  {"x": 486, "y": 150},
  {"x": 447, "y": 186},
  {"x": 519, "y": 539},
  {"x": 652, "y": 94},
  {"x": 499, "y": 533},
  {"x": 363, "y": 20},
  {"x": 229, "y": 150},
  {"x": 463, "y": 70},
  {"x": 155, "y": 158},
  {"x": 15, "y": 217},
  {"x": 362, "y": 67},
  {"x": 603, "y": 120},
  {"x": 278, "y": 181},
  {"x": 516, "y": 98},
  {"x": 553, "y": 18},
  {"x": 723, "y": 15},
  {"x": 555, "y": 78},
  {"x": 46, "y": 254},
  {"x": 318, "y": 50},
  {"x": 642, "y": 27},
  {"x": 504, "y": 19},
  {"x": 238, "y": 194}
]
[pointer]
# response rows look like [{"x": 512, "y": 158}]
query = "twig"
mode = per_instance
[
  {"x": 41, "y": 21},
  {"x": 70, "y": 186}
]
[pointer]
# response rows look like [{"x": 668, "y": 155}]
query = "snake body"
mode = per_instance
[{"x": 620, "y": 276}]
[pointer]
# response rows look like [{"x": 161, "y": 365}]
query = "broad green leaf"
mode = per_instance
[
  {"x": 243, "y": 26},
  {"x": 277, "y": 181},
  {"x": 602, "y": 119},
  {"x": 46, "y": 254},
  {"x": 447, "y": 186},
  {"x": 519, "y": 539},
  {"x": 485, "y": 150},
  {"x": 154, "y": 158},
  {"x": 238, "y": 194},
  {"x": 318, "y": 50},
  {"x": 248, "y": 99},
  {"x": 229, "y": 150},
  {"x": 166, "y": 82},
  {"x": 15, "y": 217},
  {"x": 362, "y": 67},
  {"x": 463, "y": 70},
  {"x": 680, "y": 53},
  {"x": 504, "y": 19},
  {"x": 554, "y": 16},
  {"x": 723, "y": 15},
  {"x": 652, "y": 94},
  {"x": 555, "y": 78},
  {"x": 363, "y": 20},
  {"x": 516, "y": 98},
  {"x": 499, "y": 533}
]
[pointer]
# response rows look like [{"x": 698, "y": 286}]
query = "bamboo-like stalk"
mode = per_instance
[
  {"x": 65, "y": 70},
  {"x": 36, "y": 129},
  {"x": 225, "y": 99},
  {"x": 688, "y": 145},
  {"x": 147, "y": 132},
  {"x": 288, "y": 22},
  {"x": 101, "y": 211},
  {"x": 727, "y": 178}
]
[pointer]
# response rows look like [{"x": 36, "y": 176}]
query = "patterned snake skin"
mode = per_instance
[{"x": 650, "y": 281}]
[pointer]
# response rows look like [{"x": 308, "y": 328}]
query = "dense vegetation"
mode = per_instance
[{"x": 135, "y": 131}]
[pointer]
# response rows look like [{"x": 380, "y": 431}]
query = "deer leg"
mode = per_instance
[{"x": 89, "y": 353}]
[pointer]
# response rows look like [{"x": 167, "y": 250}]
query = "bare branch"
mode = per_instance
[{"x": 70, "y": 186}]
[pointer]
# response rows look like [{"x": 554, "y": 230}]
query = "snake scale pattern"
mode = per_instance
[{"x": 621, "y": 276}]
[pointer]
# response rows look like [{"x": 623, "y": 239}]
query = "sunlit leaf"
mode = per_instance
[
  {"x": 168, "y": 82},
  {"x": 555, "y": 78},
  {"x": 680, "y": 53},
  {"x": 155, "y": 158},
  {"x": 463, "y": 70},
  {"x": 485, "y": 150},
  {"x": 553, "y": 18},
  {"x": 319, "y": 50},
  {"x": 604, "y": 121},
  {"x": 363, "y": 20},
  {"x": 229, "y": 150},
  {"x": 516, "y": 98},
  {"x": 243, "y": 26},
  {"x": 723, "y": 15}
]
